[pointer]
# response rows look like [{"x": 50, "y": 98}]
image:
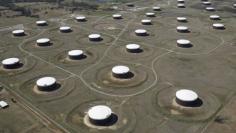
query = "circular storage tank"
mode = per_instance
[
  {"x": 11, "y": 63},
  {"x": 100, "y": 115},
  {"x": 234, "y": 5},
  {"x": 117, "y": 16},
  {"x": 206, "y": 3},
  {"x": 180, "y": 1},
  {"x": 218, "y": 26},
  {"x": 184, "y": 43},
  {"x": 80, "y": 18},
  {"x": 18, "y": 32},
  {"x": 130, "y": 4},
  {"x": 46, "y": 84},
  {"x": 182, "y": 29},
  {"x": 65, "y": 29},
  {"x": 150, "y": 14},
  {"x": 133, "y": 48},
  {"x": 182, "y": 19},
  {"x": 76, "y": 54},
  {"x": 95, "y": 37},
  {"x": 156, "y": 8},
  {"x": 210, "y": 8},
  {"x": 43, "y": 42},
  {"x": 141, "y": 32},
  {"x": 146, "y": 22},
  {"x": 187, "y": 98},
  {"x": 181, "y": 5},
  {"x": 215, "y": 17},
  {"x": 122, "y": 72},
  {"x": 41, "y": 23}
]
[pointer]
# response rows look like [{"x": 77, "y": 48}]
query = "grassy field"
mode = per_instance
[{"x": 143, "y": 103}]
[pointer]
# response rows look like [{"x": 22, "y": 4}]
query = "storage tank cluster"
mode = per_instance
[
  {"x": 187, "y": 98},
  {"x": 100, "y": 115},
  {"x": 47, "y": 84},
  {"x": 11, "y": 63}
]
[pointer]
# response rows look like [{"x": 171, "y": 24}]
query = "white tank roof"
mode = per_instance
[
  {"x": 3, "y": 104},
  {"x": 65, "y": 28},
  {"x": 75, "y": 53},
  {"x": 46, "y": 81},
  {"x": 206, "y": 2},
  {"x": 140, "y": 31},
  {"x": 180, "y": 0},
  {"x": 43, "y": 40},
  {"x": 99, "y": 112},
  {"x": 18, "y": 31},
  {"x": 218, "y": 25},
  {"x": 214, "y": 16},
  {"x": 120, "y": 69},
  {"x": 116, "y": 15},
  {"x": 41, "y": 22},
  {"x": 186, "y": 95},
  {"x": 181, "y": 18},
  {"x": 234, "y": 5},
  {"x": 180, "y": 5},
  {"x": 132, "y": 46},
  {"x": 183, "y": 42},
  {"x": 80, "y": 17},
  {"x": 146, "y": 21},
  {"x": 182, "y": 28},
  {"x": 210, "y": 8},
  {"x": 10, "y": 61},
  {"x": 150, "y": 13},
  {"x": 156, "y": 8},
  {"x": 94, "y": 36}
]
